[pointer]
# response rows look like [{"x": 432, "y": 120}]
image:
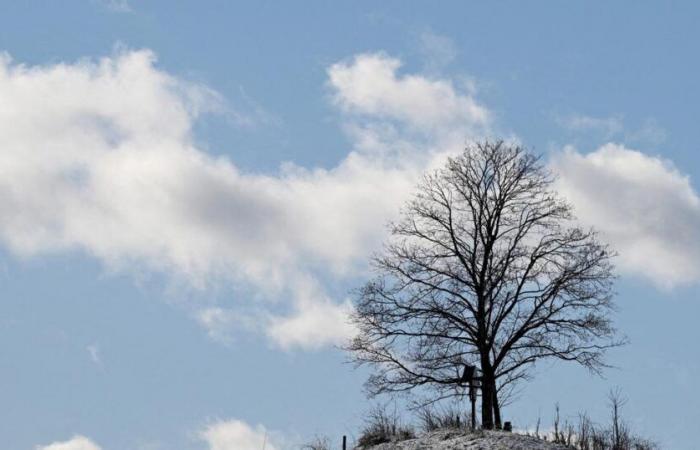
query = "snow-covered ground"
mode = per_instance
[{"x": 480, "y": 440}]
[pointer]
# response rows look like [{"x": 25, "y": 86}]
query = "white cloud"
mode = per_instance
[
  {"x": 99, "y": 157},
  {"x": 76, "y": 443},
  {"x": 642, "y": 204},
  {"x": 317, "y": 320},
  {"x": 314, "y": 325},
  {"x": 370, "y": 85},
  {"x": 237, "y": 435}
]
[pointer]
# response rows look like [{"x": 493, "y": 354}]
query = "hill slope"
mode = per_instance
[{"x": 480, "y": 440}]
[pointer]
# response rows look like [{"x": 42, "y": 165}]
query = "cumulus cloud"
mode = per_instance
[
  {"x": 642, "y": 204},
  {"x": 98, "y": 156},
  {"x": 237, "y": 435},
  {"x": 76, "y": 443},
  {"x": 370, "y": 84}
]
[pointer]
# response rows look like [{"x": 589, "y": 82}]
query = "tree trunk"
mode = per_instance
[
  {"x": 486, "y": 407},
  {"x": 496, "y": 408},
  {"x": 487, "y": 397}
]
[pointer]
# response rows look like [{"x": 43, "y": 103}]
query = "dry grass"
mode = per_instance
[{"x": 382, "y": 426}]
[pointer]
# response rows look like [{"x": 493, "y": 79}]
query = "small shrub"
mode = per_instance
[
  {"x": 431, "y": 420},
  {"x": 428, "y": 419},
  {"x": 318, "y": 443},
  {"x": 383, "y": 427},
  {"x": 587, "y": 435}
]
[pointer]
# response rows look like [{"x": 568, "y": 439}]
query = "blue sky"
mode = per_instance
[{"x": 189, "y": 191}]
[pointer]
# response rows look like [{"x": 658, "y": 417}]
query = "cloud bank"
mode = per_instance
[{"x": 98, "y": 157}]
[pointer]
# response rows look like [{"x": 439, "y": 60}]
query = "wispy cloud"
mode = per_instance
[
  {"x": 94, "y": 353},
  {"x": 254, "y": 115},
  {"x": 117, "y": 6},
  {"x": 648, "y": 133},
  {"x": 608, "y": 126},
  {"x": 437, "y": 51}
]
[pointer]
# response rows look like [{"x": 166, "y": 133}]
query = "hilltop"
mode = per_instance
[{"x": 479, "y": 440}]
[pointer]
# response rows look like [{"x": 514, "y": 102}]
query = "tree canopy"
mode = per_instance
[{"x": 486, "y": 266}]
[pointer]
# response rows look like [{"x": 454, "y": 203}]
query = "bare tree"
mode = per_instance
[
  {"x": 487, "y": 267},
  {"x": 619, "y": 433}
]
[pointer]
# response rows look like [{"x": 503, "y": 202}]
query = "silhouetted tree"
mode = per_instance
[{"x": 486, "y": 266}]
